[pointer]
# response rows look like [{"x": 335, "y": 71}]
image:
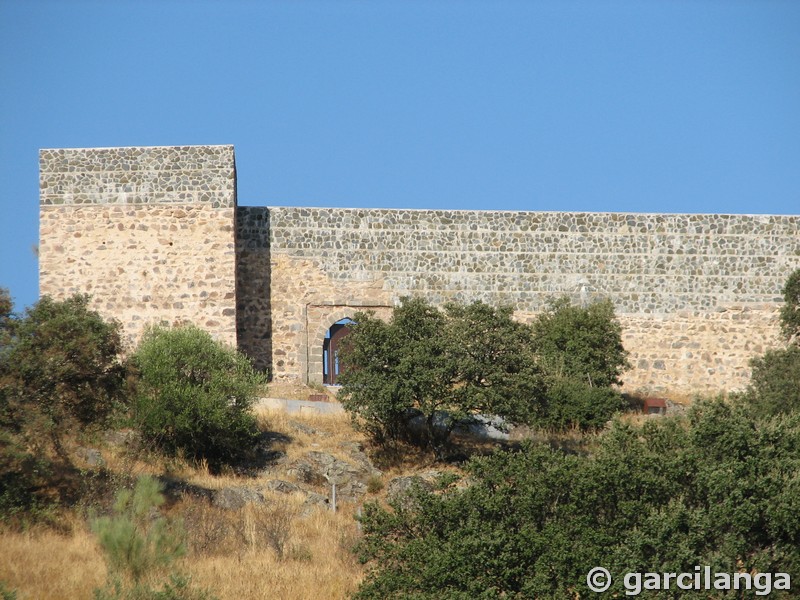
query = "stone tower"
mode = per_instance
[{"x": 149, "y": 233}]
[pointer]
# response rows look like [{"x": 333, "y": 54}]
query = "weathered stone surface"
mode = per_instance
[
  {"x": 121, "y": 437},
  {"x": 307, "y": 429},
  {"x": 91, "y": 456},
  {"x": 235, "y": 498},
  {"x": 283, "y": 487},
  {"x": 314, "y": 502},
  {"x": 323, "y": 469},
  {"x": 696, "y": 294},
  {"x": 399, "y": 488},
  {"x": 147, "y": 232},
  {"x": 155, "y": 235}
]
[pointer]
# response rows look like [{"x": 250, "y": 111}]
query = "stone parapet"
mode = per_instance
[{"x": 142, "y": 175}]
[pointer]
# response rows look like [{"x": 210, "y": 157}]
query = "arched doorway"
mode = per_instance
[{"x": 331, "y": 366}]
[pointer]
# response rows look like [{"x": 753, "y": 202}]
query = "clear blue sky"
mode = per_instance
[{"x": 673, "y": 106}]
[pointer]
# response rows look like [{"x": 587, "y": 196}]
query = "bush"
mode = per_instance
[
  {"x": 7, "y": 594},
  {"x": 136, "y": 544},
  {"x": 582, "y": 343},
  {"x": 24, "y": 482},
  {"x": 6, "y": 309},
  {"x": 713, "y": 488},
  {"x": 194, "y": 396},
  {"x": 790, "y": 311},
  {"x": 140, "y": 547},
  {"x": 570, "y": 403},
  {"x": 464, "y": 360},
  {"x": 60, "y": 368},
  {"x": 775, "y": 382},
  {"x": 390, "y": 368}
]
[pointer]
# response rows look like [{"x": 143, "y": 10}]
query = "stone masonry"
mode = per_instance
[
  {"x": 154, "y": 234},
  {"x": 697, "y": 295},
  {"x": 147, "y": 232}
]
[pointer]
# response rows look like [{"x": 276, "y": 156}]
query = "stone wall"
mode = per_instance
[
  {"x": 155, "y": 235},
  {"x": 697, "y": 294},
  {"x": 148, "y": 232}
]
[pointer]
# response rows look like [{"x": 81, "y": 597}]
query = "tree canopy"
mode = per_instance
[
  {"x": 712, "y": 488},
  {"x": 452, "y": 363}
]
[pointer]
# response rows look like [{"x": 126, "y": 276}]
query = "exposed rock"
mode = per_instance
[
  {"x": 303, "y": 428},
  {"x": 352, "y": 491},
  {"x": 483, "y": 427},
  {"x": 399, "y": 488},
  {"x": 283, "y": 487},
  {"x": 305, "y": 473},
  {"x": 121, "y": 437},
  {"x": 91, "y": 456},
  {"x": 324, "y": 469},
  {"x": 312, "y": 503},
  {"x": 235, "y": 498}
]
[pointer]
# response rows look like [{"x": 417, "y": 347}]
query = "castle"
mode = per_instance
[{"x": 154, "y": 234}]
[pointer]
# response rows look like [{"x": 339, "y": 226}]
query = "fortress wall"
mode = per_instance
[
  {"x": 254, "y": 315},
  {"x": 148, "y": 232},
  {"x": 155, "y": 235},
  {"x": 697, "y": 294}
]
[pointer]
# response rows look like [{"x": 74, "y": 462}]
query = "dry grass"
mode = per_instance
[
  {"x": 276, "y": 550},
  {"x": 291, "y": 390},
  {"x": 316, "y": 563},
  {"x": 241, "y": 563},
  {"x": 43, "y": 565}
]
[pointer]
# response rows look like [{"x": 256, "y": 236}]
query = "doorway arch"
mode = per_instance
[{"x": 331, "y": 365}]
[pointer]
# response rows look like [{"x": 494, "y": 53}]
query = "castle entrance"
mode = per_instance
[{"x": 331, "y": 365}]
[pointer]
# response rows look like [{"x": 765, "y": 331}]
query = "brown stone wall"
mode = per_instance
[
  {"x": 304, "y": 304},
  {"x": 697, "y": 295},
  {"x": 155, "y": 235},
  {"x": 254, "y": 314},
  {"x": 147, "y": 232}
]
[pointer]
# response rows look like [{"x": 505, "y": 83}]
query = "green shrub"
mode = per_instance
[
  {"x": 60, "y": 369},
  {"x": 581, "y": 343},
  {"x": 462, "y": 360},
  {"x": 569, "y": 403},
  {"x": 7, "y": 594},
  {"x": 712, "y": 488},
  {"x": 24, "y": 479},
  {"x": 194, "y": 396},
  {"x": 775, "y": 382},
  {"x": 135, "y": 540},
  {"x": 790, "y": 311},
  {"x": 6, "y": 310},
  {"x": 140, "y": 547}
]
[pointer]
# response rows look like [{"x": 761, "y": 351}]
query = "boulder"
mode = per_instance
[
  {"x": 91, "y": 456},
  {"x": 282, "y": 487},
  {"x": 235, "y": 498}
]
